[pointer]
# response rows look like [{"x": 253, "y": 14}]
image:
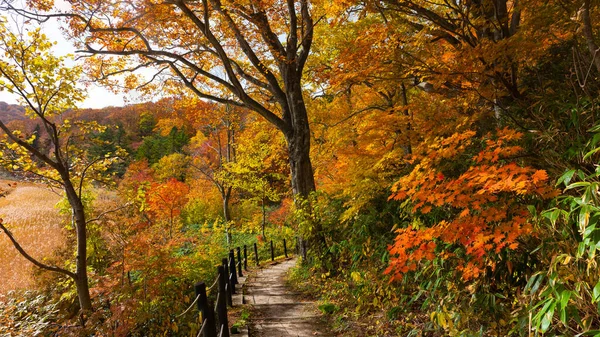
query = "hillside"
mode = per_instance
[{"x": 11, "y": 112}]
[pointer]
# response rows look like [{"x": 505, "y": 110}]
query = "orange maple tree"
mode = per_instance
[
  {"x": 481, "y": 193},
  {"x": 166, "y": 200}
]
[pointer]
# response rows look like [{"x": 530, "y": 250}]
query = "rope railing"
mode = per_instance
[
  {"x": 202, "y": 328},
  {"x": 189, "y": 308},
  {"x": 217, "y": 301},
  {"x": 214, "y": 284},
  {"x": 228, "y": 273}
]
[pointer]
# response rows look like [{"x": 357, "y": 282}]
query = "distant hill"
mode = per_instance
[
  {"x": 11, "y": 112},
  {"x": 127, "y": 117}
]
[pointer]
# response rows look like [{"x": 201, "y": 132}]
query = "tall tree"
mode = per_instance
[
  {"x": 257, "y": 170},
  {"x": 48, "y": 88},
  {"x": 214, "y": 147},
  {"x": 249, "y": 54}
]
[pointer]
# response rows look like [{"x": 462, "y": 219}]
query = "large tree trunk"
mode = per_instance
[
  {"x": 303, "y": 182},
  {"x": 81, "y": 281},
  {"x": 298, "y": 138},
  {"x": 302, "y": 177}
]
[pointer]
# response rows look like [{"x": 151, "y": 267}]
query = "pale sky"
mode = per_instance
[{"x": 98, "y": 97}]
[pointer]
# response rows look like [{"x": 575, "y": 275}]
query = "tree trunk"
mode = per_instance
[
  {"x": 226, "y": 214},
  {"x": 81, "y": 282},
  {"x": 407, "y": 148},
  {"x": 303, "y": 182},
  {"x": 298, "y": 142},
  {"x": 264, "y": 218},
  {"x": 588, "y": 33},
  {"x": 171, "y": 223},
  {"x": 302, "y": 177}
]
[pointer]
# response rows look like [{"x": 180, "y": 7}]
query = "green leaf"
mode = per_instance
[
  {"x": 581, "y": 249},
  {"x": 594, "y": 128},
  {"x": 547, "y": 316},
  {"x": 597, "y": 292},
  {"x": 584, "y": 217},
  {"x": 534, "y": 283},
  {"x": 595, "y": 139},
  {"x": 591, "y": 153},
  {"x": 532, "y": 210},
  {"x": 564, "y": 300},
  {"x": 500, "y": 296},
  {"x": 588, "y": 230},
  {"x": 328, "y": 308},
  {"x": 563, "y": 316},
  {"x": 578, "y": 184},
  {"x": 566, "y": 178},
  {"x": 552, "y": 215}
]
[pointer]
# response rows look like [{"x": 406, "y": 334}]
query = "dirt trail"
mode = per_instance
[{"x": 277, "y": 311}]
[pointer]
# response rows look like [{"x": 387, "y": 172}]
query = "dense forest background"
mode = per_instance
[{"x": 439, "y": 158}]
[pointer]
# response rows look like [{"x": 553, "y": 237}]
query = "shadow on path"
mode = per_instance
[{"x": 276, "y": 310}]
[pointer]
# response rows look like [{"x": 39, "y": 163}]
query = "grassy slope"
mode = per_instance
[{"x": 29, "y": 212}]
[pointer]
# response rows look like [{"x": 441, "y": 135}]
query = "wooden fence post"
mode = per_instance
[
  {"x": 222, "y": 302},
  {"x": 228, "y": 289},
  {"x": 232, "y": 269},
  {"x": 208, "y": 315},
  {"x": 285, "y": 248},
  {"x": 245, "y": 258},
  {"x": 239, "y": 264},
  {"x": 256, "y": 254},
  {"x": 272, "y": 252}
]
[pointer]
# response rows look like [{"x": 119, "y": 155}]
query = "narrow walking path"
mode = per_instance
[{"x": 276, "y": 310}]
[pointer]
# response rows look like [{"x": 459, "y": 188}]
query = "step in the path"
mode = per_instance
[{"x": 238, "y": 298}]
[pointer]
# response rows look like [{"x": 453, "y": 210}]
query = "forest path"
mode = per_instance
[{"x": 276, "y": 310}]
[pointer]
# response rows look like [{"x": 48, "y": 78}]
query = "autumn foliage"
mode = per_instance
[
  {"x": 165, "y": 201},
  {"x": 481, "y": 202}
]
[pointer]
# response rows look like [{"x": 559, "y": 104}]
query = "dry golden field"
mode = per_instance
[{"x": 29, "y": 212}]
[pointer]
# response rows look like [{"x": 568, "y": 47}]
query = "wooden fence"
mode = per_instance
[{"x": 228, "y": 272}]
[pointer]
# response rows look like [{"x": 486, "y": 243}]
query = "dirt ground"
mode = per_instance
[{"x": 279, "y": 312}]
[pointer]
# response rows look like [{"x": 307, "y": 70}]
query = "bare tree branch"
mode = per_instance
[
  {"x": 33, "y": 260},
  {"x": 101, "y": 215}
]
